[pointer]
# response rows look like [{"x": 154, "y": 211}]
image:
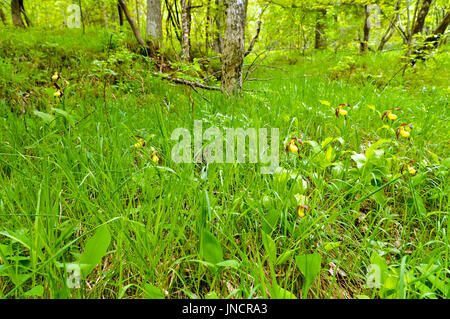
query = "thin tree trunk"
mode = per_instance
[
  {"x": 130, "y": 20},
  {"x": 258, "y": 30},
  {"x": 81, "y": 15},
  {"x": 24, "y": 13},
  {"x": 391, "y": 29},
  {"x": 3, "y": 17},
  {"x": 420, "y": 21},
  {"x": 120, "y": 11},
  {"x": 138, "y": 20},
  {"x": 207, "y": 25},
  {"x": 432, "y": 41},
  {"x": 171, "y": 16},
  {"x": 154, "y": 23},
  {"x": 320, "y": 41},
  {"x": 185, "y": 29},
  {"x": 233, "y": 47},
  {"x": 219, "y": 23},
  {"x": 16, "y": 14},
  {"x": 365, "y": 41}
]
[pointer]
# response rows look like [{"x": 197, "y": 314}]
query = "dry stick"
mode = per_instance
[
  {"x": 192, "y": 83},
  {"x": 250, "y": 69}
]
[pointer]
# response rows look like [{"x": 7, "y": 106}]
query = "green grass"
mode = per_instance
[{"x": 66, "y": 176}]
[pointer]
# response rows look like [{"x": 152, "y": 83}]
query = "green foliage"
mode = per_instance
[{"x": 69, "y": 166}]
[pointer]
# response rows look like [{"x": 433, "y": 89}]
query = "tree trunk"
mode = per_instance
[
  {"x": 119, "y": 9},
  {"x": 432, "y": 41},
  {"x": 185, "y": 29},
  {"x": 233, "y": 47},
  {"x": 258, "y": 30},
  {"x": 207, "y": 25},
  {"x": 24, "y": 13},
  {"x": 81, "y": 16},
  {"x": 3, "y": 17},
  {"x": 154, "y": 22},
  {"x": 219, "y": 18},
  {"x": 365, "y": 42},
  {"x": 320, "y": 42},
  {"x": 133, "y": 26},
  {"x": 16, "y": 14},
  {"x": 391, "y": 29},
  {"x": 420, "y": 21}
]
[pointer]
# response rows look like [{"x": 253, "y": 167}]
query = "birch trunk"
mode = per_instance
[
  {"x": 233, "y": 47},
  {"x": 185, "y": 29},
  {"x": 154, "y": 22}
]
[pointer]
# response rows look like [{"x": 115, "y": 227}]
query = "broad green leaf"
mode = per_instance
[
  {"x": 270, "y": 220},
  {"x": 281, "y": 293},
  {"x": 37, "y": 291},
  {"x": 210, "y": 248},
  {"x": 270, "y": 247},
  {"x": 152, "y": 292},
  {"x": 212, "y": 295},
  {"x": 284, "y": 257},
  {"x": 229, "y": 263},
  {"x": 95, "y": 249},
  {"x": 44, "y": 116},
  {"x": 309, "y": 266}
]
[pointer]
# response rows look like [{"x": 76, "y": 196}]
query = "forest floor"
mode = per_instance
[{"x": 79, "y": 189}]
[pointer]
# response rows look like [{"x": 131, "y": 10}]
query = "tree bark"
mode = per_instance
[
  {"x": 432, "y": 41},
  {"x": 420, "y": 20},
  {"x": 233, "y": 47},
  {"x": 185, "y": 29},
  {"x": 119, "y": 10},
  {"x": 154, "y": 22},
  {"x": 16, "y": 14},
  {"x": 320, "y": 41},
  {"x": 365, "y": 42},
  {"x": 133, "y": 26},
  {"x": 219, "y": 17},
  {"x": 3, "y": 17},
  {"x": 391, "y": 29}
]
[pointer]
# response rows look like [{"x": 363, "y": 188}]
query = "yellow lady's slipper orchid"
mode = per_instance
[
  {"x": 140, "y": 143},
  {"x": 403, "y": 131},
  {"x": 293, "y": 145},
  {"x": 154, "y": 157},
  {"x": 301, "y": 210},
  {"x": 57, "y": 94},
  {"x": 293, "y": 148},
  {"x": 55, "y": 76},
  {"x": 391, "y": 116},
  {"x": 411, "y": 170},
  {"x": 341, "y": 111}
]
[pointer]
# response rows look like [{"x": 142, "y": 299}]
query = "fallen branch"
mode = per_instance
[{"x": 192, "y": 84}]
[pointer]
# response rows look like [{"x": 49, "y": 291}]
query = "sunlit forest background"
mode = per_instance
[{"x": 92, "y": 204}]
